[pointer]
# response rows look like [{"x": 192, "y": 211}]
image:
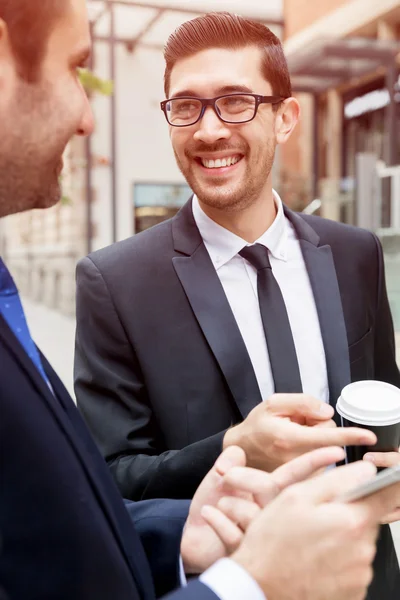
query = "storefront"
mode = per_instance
[
  {"x": 354, "y": 87},
  {"x": 364, "y": 131}
]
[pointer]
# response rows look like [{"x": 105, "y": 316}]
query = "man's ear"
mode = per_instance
[{"x": 286, "y": 119}]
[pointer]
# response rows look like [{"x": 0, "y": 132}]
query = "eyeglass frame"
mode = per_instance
[{"x": 205, "y": 102}]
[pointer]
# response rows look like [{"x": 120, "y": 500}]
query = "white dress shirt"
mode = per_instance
[
  {"x": 239, "y": 281},
  {"x": 238, "y": 277},
  {"x": 228, "y": 580}
]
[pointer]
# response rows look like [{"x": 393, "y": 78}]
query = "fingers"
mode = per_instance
[
  {"x": 233, "y": 456},
  {"x": 391, "y": 518},
  {"x": 333, "y": 483},
  {"x": 239, "y": 511},
  {"x": 265, "y": 487},
  {"x": 288, "y": 405},
  {"x": 259, "y": 484},
  {"x": 331, "y": 424},
  {"x": 230, "y": 534},
  {"x": 383, "y": 503},
  {"x": 383, "y": 459},
  {"x": 291, "y": 437},
  {"x": 306, "y": 465}
]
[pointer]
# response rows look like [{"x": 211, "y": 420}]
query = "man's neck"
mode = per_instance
[{"x": 249, "y": 223}]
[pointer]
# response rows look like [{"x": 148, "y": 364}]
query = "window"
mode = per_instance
[{"x": 156, "y": 202}]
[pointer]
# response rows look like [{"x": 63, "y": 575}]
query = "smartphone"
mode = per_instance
[{"x": 384, "y": 479}]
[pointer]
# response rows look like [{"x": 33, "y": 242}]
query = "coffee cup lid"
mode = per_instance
[{"x": 370, "y": 403}]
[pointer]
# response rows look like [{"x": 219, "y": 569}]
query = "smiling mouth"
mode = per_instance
[{"x": 220, "y": 163}]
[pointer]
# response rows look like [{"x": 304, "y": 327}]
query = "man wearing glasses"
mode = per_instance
[{"x": 185, "y": 329}]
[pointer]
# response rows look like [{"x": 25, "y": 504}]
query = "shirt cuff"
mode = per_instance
[
  {"x": 229, "y": 581},
  {"x": 182, "y": 575}
]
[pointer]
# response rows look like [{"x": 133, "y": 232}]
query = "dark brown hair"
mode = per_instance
[
  {"x": 29, "y": 24},
  {"x": 225, "y": 30}
]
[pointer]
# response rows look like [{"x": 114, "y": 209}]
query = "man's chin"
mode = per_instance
[
  {"x": 49, "y": 199},
  {"x": 222, "y": 198}
]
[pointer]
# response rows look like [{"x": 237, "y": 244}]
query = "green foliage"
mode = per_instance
[
  {"x": 65, "y": 200},
  {"x": 93, "y": 83}
]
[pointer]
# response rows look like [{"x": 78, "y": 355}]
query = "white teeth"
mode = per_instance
[{"x": 217, "y": 164}]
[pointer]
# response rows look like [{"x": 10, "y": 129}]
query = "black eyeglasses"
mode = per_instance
[{"x": 230, "y": 108}]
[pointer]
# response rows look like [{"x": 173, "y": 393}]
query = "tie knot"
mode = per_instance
[{"x": 257, "y": 256}]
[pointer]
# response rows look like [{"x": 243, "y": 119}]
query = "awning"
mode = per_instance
[
  {"x": 150, "y": 22},
  {"x": 328, "y": 63}
]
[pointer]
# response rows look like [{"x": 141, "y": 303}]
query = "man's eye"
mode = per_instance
[{"x": 185, "y": 106}]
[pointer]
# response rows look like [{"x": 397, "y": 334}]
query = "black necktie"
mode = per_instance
[{"x": 281, "y": 349}]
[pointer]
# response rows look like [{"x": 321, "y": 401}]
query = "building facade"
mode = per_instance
[{"x": 344, "y": 58}]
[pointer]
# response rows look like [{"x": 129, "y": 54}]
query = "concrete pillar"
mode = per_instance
[
  {"x": 330, "y": 186},
  {"x": 334, "y": 133},
  {"x": 329, "y": 195}
]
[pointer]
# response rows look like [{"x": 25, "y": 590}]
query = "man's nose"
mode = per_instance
[
  {"x": 211, "y": 128},
  {"x": 86, "y": 124}
]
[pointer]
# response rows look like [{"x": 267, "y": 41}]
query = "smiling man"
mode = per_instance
[
  {"x": 185, "y": 329},
  {"x": 226, "y": 154}
]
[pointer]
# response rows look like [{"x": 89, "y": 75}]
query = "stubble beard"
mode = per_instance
[
  {"x": 230, "y": 199},
  {"x": 28, "y": 177},
  {"x": 22, "y": 187}
]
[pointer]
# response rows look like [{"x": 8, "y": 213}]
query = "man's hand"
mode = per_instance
[
  {"x": 288, "y": 425},
  {"x": 386, "y": 459},
  {"x": 308, "y": 546},
  {"x": 203, "y": 544},
  {"x": 236, "y": 511}
]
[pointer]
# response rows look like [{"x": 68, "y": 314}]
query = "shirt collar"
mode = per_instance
[{"x": 223, "y": 245}]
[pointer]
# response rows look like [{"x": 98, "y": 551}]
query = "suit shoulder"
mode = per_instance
[
  {"x": 336, "y": 231},
  {"x": 146, "y": 246}
]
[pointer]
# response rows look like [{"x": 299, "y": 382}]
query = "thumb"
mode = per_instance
[{"x": 233, "y": 456}]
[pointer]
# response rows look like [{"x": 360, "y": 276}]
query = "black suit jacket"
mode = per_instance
[
  {"x": 161, "y": 370},
  {"x": 64, "y": 531}
]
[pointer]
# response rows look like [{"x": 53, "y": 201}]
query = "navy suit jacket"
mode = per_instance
[{"x": 64, "y": 531}]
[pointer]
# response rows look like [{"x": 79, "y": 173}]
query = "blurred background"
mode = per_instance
[{"x": 343, "y": 162}]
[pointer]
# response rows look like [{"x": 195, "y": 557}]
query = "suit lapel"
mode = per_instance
[
  {"x": 212, "y": 310},
  {"x": 108, "y": 495},
  {"x": 322, "y": 273},
  {"x": 71, "y": 423},
  {"x": 213, "y": 313},
  {"x": 26, "y": 363}
]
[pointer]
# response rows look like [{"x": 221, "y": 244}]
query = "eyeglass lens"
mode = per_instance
[{"x": 236, "y": 109}]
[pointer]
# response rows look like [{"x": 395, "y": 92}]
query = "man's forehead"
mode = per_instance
[
  {"x": 218, "y": 70},
  {"x": 72, "y": 32}
]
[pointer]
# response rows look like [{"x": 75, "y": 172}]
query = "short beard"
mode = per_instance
[
  {"x": 28, "y": 179},
  {"x": 233, "y": 200},
  {"x": 17, "y": 194}
]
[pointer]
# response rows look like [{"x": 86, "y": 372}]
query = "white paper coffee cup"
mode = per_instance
[
  {"x": 373, "y": 405},
  {"x": 370, "y": 403}
]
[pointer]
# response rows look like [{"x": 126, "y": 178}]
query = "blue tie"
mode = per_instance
[{"x": 13, "y": 313}]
